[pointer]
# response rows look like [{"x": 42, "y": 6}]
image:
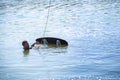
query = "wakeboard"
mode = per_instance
[{"x": 53, "y": 42}]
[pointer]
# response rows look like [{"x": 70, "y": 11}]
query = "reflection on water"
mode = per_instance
[
  {"x": 26, "y": 52},
  {"x": 91, "y": 28}
]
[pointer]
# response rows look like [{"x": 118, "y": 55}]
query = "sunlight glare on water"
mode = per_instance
[{"x": 91, "y": 28}]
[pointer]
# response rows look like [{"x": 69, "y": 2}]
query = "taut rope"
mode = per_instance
[{"x": 47, "y": 18}]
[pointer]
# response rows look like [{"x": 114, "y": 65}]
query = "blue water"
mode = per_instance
[{"x": 91, "y": 27}]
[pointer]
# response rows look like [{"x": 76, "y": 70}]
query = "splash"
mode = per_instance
[{"x": 58, "y": 43}]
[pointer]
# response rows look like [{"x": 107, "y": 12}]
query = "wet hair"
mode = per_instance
[{"x": 23, "y": 43}]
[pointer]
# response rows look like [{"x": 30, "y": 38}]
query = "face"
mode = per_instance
[
  {"x": 25, "y": 45},
  {"x": 24, "y": 42}
]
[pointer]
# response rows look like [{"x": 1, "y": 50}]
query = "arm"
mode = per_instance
[{"x": 32, "y": 45}]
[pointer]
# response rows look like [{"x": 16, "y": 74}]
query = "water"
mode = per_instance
[
  {"x": 91, "y": 27},
  {"x": 58, "y": 43},
  {"x": 45, "y": 43}
]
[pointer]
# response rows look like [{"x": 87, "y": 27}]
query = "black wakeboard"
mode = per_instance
[{"x": 53, "y": 42}]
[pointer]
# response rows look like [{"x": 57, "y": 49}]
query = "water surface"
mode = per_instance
[{"x": 91, "y": 27}]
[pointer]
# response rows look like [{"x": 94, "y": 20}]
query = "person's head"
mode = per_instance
[{"x": 25, "y": 45}]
